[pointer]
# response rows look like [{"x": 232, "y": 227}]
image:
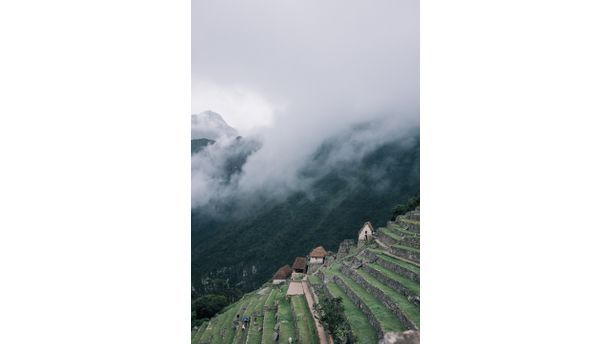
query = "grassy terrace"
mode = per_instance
[
  {"x": 314, "y": 279},
  {"x": 359, "y": 322},
  {"x": 268, "y": 321},
  {"x": 286, "y": 319},
  {"x": 403, "y": 218},
  {"x": 269, "y": 317},
  {"x": 399, "y": 230},
  {"x": 383, "y": 255},
  {"x": 239, "y": 335},
  {"x": 305, "y": 322},
  {"x": 224, "y": 324},
  {"x": 201, "y": 332},
  {"x": 390, "y": 233},
  {"x": 254, "y": 335},
  {"x": 406, "y": 248},
  {"x": 407, "y": 307},
  {"x": 408, "y": 283},
  {"x": 388, "y": 321}
]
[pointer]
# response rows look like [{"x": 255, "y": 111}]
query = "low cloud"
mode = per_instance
[{"x": 293, "y": 76}]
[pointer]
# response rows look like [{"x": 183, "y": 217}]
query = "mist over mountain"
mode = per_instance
[
  {"x": 210, "y": 125},
  {"x": 247, "y": 198}
]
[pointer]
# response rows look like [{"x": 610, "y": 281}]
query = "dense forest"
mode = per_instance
[{"x": 236, "y": 254}]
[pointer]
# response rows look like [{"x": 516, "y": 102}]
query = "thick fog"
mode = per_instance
[{"x": 293, "y": 74}]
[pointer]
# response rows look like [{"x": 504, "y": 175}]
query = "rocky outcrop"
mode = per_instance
[
  {"x": 407, "y": 337},
  {"x": 345, "y": 248},
  {"x": 378, "y": 294}
]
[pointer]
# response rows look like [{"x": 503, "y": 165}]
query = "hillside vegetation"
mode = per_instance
[{"x": 370, "y": 289}]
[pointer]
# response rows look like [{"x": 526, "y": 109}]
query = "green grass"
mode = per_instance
[
  {"x": 388, "y": 321},
  {"x": 314, "y": 279},
  {"x": 408, "y": 283},
  {"x": 399, "y": 230},
  {"x": 406, "y": 248},
  {"x": 269, "y": 317},
  {"x": 285, "y": 317},
  {"x": 224, "y": 322},
  {"x": 383, "y": 255},
  {"x": 407, "y": 307},
  {"x": 268, "y": 321},
  {"x": 390, "y": 233},
  {"x": 240, "y": 334},
  {"x": 359, "y": 322},
  {"x": 305, "y": 322},
  {"x": 195, "y": 338},
  {"x": 254, "y": 335}
]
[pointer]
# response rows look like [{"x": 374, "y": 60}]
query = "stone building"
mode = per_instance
[
  {"x": 317, "y": 256},
  {"x": 282, "y": 274},
  {"x": 300, "y": 265},
  {"x": 366, "y": 232}
]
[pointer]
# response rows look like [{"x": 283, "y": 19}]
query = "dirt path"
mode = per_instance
[
  {"x": 310, "y": 300},
  {"x": 295, "y": 288}
]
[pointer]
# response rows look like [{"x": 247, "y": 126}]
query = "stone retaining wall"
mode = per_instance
[
  {"x": 380, "y": 295},
  {"x": 415, "y": 228},
  {"x": 386, "y": 239},
  {"x": 361, "y": 305},
  {"x": 414, "y": 256},
  {"x": 395, "y": 285},
  {"x": 345, "y": 248},
  {"x": 411, "y": 241},
  {"x": 399, "y": 269}
]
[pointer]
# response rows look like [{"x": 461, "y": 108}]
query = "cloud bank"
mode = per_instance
[{"x": 295, "y": 74}]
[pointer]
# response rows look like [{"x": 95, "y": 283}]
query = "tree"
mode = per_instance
[
  {"x": 401, "y": 209},
  {"x": 331, "y": 315}
]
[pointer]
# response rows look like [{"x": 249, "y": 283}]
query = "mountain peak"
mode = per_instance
[{"x": 210, "y": 125}]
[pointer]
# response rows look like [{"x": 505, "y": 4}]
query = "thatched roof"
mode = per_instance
[
  {"x": 283, "y": 273},
  {"x": 299, "y": 263},
  {"x": 318, "y": 252}
]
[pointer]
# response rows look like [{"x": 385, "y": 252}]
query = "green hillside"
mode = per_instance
[
  {"x": 378, "y": 292},
  {"x": 245, "y": 250}
]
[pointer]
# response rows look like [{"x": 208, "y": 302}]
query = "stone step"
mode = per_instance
[{"x": 396, "y": 303}]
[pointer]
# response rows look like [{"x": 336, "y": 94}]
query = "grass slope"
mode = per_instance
[
  {"x": 408, "y": 308},
  {"x": 285, "y": 316},
  {"x": 359, "y": 322},
  {"x": 388, "y": 321},
  {"x": 305, "y": 323}
]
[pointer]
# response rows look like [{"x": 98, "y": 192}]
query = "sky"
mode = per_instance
[{"x": 293, "y": 74}]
